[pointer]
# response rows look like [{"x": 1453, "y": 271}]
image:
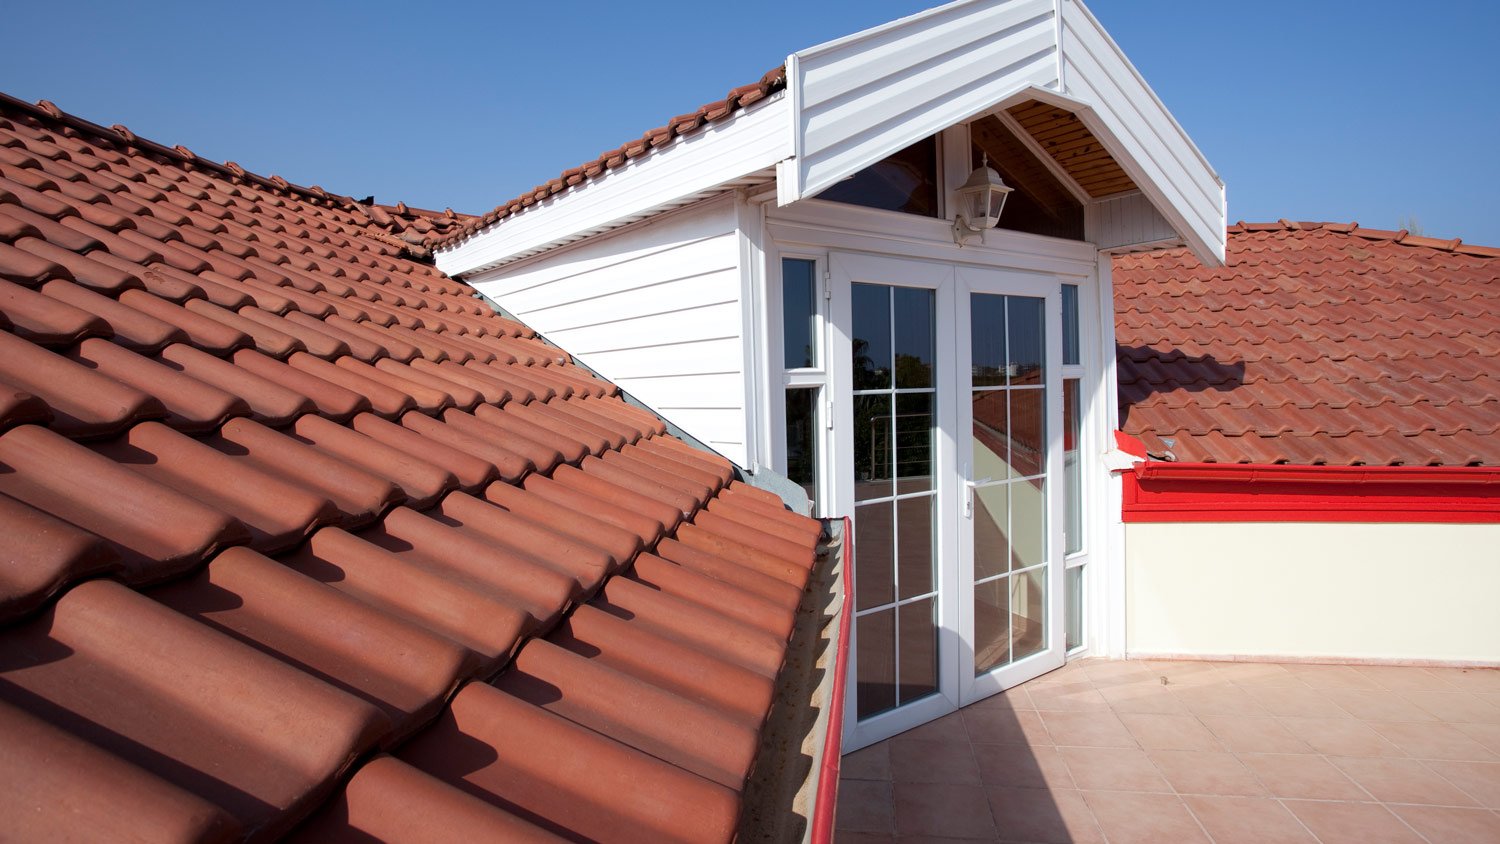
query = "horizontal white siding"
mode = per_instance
[
  {"x": 1157, "y": 153},
  {"x": 862, "y": 97},
  {"x": 654, "y": 307}
]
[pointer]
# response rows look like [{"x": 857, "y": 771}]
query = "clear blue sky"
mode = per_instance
[{"x": 1380, "y": 112}]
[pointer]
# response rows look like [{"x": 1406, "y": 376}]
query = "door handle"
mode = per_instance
[{"x": 969, "y": 495}]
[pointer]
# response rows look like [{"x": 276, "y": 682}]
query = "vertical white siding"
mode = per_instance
[
  {"x": 654, "y": 307},
  {"x": 1127, "y": 220}
]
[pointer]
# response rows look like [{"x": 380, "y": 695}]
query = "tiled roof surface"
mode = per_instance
[
  {"x": 742, "y": 97},
  {"x": 298, "y": 537},
  {"x": 1316, "y": 343}
]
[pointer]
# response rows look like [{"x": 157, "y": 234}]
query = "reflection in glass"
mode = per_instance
[
  {"x": 872, "y": 336},
  {"x": 919, "y": 670},
  {"x": 874, "y": 570},
  {"x": 991, "y": 530},
  {"x": 875, "y": 662},
  {"x": 1028, "y": 432},
  {"x": 1073, "y": 597},
  {"x": 914, "y": 431},
  {"x": 802, "y": 440},
  {"x": 914, "y": 545},
  {"x": 987, "y": 343},
  {"x": 798, "y": 312},
  {"x": 1028, "y": 613},
  {"x": 873, "y": 447},
  {"x": 991, "y": 437},
  {"x": 1024, "y": 328},
  {"x": 991, "y": 625},
  {"x": 906, "y": 182},
  {"x": 1028, "y": 523},
  {"x": 1070, "y": 324},
  {"x": 1072, "y": 468},
  {"x": 914, "y": 337}
]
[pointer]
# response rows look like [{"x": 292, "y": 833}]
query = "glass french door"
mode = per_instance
[{"x": 947, "y": 456}]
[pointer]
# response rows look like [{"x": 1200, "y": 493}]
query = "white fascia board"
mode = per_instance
[{"x": 708, "y": 160}]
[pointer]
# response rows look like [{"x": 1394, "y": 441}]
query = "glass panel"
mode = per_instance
[
  {"x": 915, "y": 542},
  {"x": 1027, "y": 432},
  {"x": 1073, "y": 597},
  {"x": 1024, "y": 327},
  {"x": 991, "y": 530},
  {"x": 1072, "y": 468},
  {"x": 906, "y": 182},
  {"x": 801, "y": 439},
  {"x": 875, "y": 662},
  {"x": 918, "y": 652},
  {"x": 914, "y": 341},
  {"x": 1028, "y": 523},
  {"x": 872, "y": 336},
  {"x": 991, "y": 625},
  {"x": 1028, "y": 613},
  {"x": 914, "y": 425},
  {"x": 799, "y": 312},
  {"x": 874, "y": 570},
  {"x": 1070, "y": 324},
  {"x": 1039, "y": 203},
  {"x": 991, "y": 440},
  {"x": 987, "y": 333},
  {"x": 873, "y": 447}
]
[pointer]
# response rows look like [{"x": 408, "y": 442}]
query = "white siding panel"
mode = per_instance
[
  {"x": 654, "y": 307},
  {"x": 1127, "y": 220},
  {"x": 862, "y": 97}
]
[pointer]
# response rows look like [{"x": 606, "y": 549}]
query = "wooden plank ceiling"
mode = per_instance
[{"x": 1073, "y": 147}]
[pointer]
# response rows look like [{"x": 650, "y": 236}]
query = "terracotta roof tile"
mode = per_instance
[
  {"x": 1317, "y": 343},
  {"x": 349, "y": 495}
]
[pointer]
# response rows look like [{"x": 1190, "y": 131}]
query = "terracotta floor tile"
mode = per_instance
[
  {"x": 1246, "y": 734},
  {"x": 1115, "y": 672},
  {"x": 1148, "y": 696},
  {"x": 843, "y": 836},
  {"x": 1020, "y": 766},
  {"x": 1009, "y": 700},
  {"x": 933, "y": 761},
  {"x": 1113, "y": 769},
  {"x": 950, "y": 727},
  {"x": 1486, "y": 734},
  {"x": 865, "y": 807},
  {"x": 1197, "y": 772},
  {"x": 998, "y": 726},
  {"x": 1087, "y": 729},
  {"x": 1433, "y": 741},
  {"x": 1352, "y": 823},
  {"x": 867, "y": 763},
  {"x": 1331, "y": 676},
  {"x": 1452, "y": 826},
  {"x": 1248, "y": 820},
  {"x": 1223, "y": 699},
  {"x": 1297, "y": 701},
  {"x": 1057, "y": 817},
  {"x": 943, "y": 810},
  {"x": 1069, "y": 697},
  {"x": 1256, "y": 674},
  {"x": 1301, "y": 776},
  {"x": 1169, "y": 732},
  {"x": 1378, "y": 705},
  {"x": 1400, "y": 677},
  {"x": 1481, "y": 780},
  {"x": 1402, "y": 781},
  {"x": 1185, "y": 673},
  {"x": 1471, "y": 679},
  {"x": 1456, "y": 706},
  {"x": 1143, "y": 818},
  {"x": 1340, "y": 737}
]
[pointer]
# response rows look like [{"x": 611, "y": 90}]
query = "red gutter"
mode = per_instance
[
  {"x": 826, "y": 803},
  {"x": 1221, "y": 492}
]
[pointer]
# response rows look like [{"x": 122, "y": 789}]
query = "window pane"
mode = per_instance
[
  {"x": 1028, "y": 522},
  {"x": 991, "y": 434},
  {"x": 1024, "y": 321},
  {"x": 1027, "y": 434},
  {"x": 914, "y": 342},
  {"x": 906, "y": 182},
  {"x": 799, "y": 312},
  {"x": 991, "y": 624},
  {"x": 987, "y": 330},
  {"x": 801, "y": 439},
  {"x": 919, "y": 670},
  {"x": 914, "y": 424},
  {"x": 1070, "y": 324},
  {"x": 873, "y": 447},
  {"x": 914, "y": 551},
  {"x": 875, "y": 662},
  {"x": 1028, "y": 613},
  {"x": 874, "y": 569},
  {"x": 1073, "y": 597},
  {"x": 991, "y": 530},
  {"x": 872, "y": 336},
  {"x": 1072, "y": 468}
]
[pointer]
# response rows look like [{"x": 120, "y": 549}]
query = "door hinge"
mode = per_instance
[{"x": 827, "y": 286}]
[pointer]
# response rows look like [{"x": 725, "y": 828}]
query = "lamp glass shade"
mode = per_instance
[{"x": 982, "y": 197}]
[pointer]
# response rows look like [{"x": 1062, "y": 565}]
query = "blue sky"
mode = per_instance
[{"x": 1380, "y": 112}]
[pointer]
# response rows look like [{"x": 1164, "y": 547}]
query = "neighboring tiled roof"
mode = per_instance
[
  {"x": 1316, "y": 343},
  {"x": 298, "y": 536},
  {"x": 746, "y": 95}
]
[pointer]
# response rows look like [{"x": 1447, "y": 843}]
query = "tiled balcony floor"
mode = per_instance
[{"x": 1103, "y": 751}]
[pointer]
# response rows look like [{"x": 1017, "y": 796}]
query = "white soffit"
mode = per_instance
[{"x": 860, "y": 98}]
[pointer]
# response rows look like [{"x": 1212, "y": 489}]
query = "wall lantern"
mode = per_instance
[{"x": 980, "y": 201}]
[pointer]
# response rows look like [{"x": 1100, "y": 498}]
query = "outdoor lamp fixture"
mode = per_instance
[{"x": 980, "y": 201}]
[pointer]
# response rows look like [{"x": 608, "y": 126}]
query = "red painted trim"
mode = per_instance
[
  {"x": 825, "y": 805},
  {"x": 1220, "y": 492}
]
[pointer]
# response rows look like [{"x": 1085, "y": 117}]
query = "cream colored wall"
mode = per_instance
[{"x": 1355, "y": 591}]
